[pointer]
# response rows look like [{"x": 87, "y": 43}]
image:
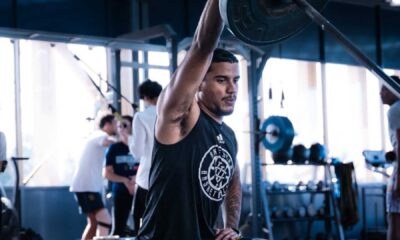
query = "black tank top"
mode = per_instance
[{"x": 188, "y": 182}]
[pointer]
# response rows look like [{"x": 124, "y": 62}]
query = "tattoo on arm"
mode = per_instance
[{"x": 233, "y": 201}]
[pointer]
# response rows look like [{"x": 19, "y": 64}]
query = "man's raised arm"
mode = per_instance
[{"x": 176, "y": 101}]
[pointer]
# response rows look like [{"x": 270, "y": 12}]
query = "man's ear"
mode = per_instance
[{"x": 201, "y": 86}]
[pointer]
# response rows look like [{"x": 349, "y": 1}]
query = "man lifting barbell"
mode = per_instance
[{"x": 194, "y": 167}]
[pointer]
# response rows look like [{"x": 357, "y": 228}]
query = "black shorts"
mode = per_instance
[{"x": 89, "y": 202}]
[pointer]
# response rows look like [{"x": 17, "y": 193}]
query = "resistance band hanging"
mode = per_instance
[{"x": 114, "y": 89}]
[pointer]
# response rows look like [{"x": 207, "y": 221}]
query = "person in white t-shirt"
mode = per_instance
[
  {"x": 3, "y": 147},
  {"x": 141, "y": 144},
  {"x": 87, "y": 183},
  {"x": 393, "y": 188},
  {"x": 3, "y": 151}
]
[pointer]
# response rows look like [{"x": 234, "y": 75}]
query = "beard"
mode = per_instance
[
  {"x": 222, "y": 112},
  {"x": 216, "y": 107}
]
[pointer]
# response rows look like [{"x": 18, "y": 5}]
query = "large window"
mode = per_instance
[
  {"x": 58, "y": 105},
  {"x": 353, "y": 115},
  {"x": 7, "y": 106},
  {"x": 346, "y": 114},
  {"x": 337, "y": 105},
  {"x": 162, "y": 76},
  {"x": 293, "y": 89}
]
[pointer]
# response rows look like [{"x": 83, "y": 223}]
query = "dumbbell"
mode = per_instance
[
  {"x": 288, "y": 212},
  {"x": 300, "y": 154},
  {"x": 320, "y": 185},
  {"x": 301, "y": 212},
  {"x": 282, "y": 156},
  {"x": 276, "y": 187},
  {"x": 311, "y": 185},
  {"x": 276, "y": 212},
  {"x": 301, "y": 186},
  {"x": 311, "y": 212},
  {"x": 317, "y": 153},
  {"x": 267, "y": 185},
  {"x": 321, "y": 212}
]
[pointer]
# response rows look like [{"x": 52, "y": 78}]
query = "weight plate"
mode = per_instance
[
  {"x": 264, "y": 22},
  {"x": 278, "y": 133}
]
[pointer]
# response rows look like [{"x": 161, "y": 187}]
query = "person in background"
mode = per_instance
[
  {"x": 120, "y": 169},
  {"x": 3, "y": 159},
  {"x": 3, "y": 152},
  {"x": 87, "y": 183},
  {"x": 393, "y": 188},
  {"x": 141, "y": 144}
]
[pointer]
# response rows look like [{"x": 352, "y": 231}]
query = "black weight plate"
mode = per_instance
[{"x": 264, "y": 22}]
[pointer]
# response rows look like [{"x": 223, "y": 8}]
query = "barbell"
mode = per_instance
[
  {"x": 262, "y": 22},
  {"x": 266, "y": 22}
]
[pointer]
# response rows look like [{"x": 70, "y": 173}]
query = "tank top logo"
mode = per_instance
[{"x": 215, "y": 171}]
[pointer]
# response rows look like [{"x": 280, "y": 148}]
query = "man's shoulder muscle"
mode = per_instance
[{"x": 171, "y": 130}]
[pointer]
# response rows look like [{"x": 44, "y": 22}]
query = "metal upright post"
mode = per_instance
[
  {"x": 172, "y": 46},
  {"x": 18, "y": 121},
  {"x": 260, "y": 208},
  {"x": 335, "y": 208},
  {"x": 115, "y": 76}
]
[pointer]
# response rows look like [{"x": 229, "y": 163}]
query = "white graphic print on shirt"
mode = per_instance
[{"x": 215, "y": 171}]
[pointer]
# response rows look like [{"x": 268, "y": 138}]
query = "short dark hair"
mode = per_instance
[
  {"x": 106, "y": 119},
  {"x": 150, "y": 89},
  {"x": 222, "y": 55},
  {"x": 128, "y": 118}
]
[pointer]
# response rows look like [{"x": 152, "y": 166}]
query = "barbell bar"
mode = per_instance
[{"x": 266, "y": 22}]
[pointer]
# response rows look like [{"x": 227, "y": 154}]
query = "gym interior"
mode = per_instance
[{"x": 311, "y": 127}]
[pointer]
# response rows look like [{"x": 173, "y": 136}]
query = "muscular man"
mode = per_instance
[
  {"x": 393, "y": 189},
  {"x": 194, "y": 166},
  {"x": 87, "y": 183}
]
